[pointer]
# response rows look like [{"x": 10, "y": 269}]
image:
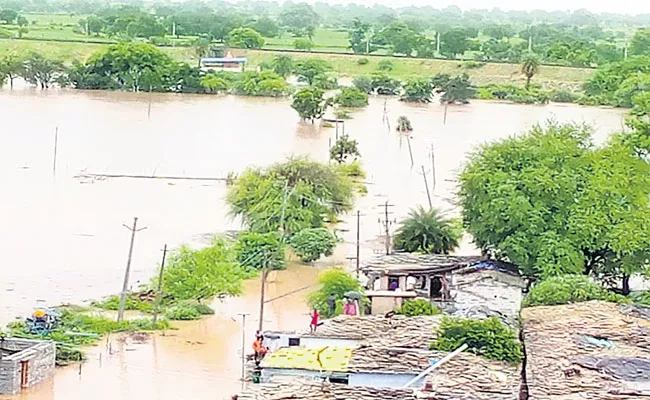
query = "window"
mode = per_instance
[
  {"x": 294, "y": 342},
  {"x": 435, "y": 290},
  {"x": 393, "y": 283}
]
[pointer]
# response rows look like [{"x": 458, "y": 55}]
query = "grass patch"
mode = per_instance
[{"x": 133, "y": 302}]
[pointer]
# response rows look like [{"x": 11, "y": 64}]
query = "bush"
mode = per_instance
[
  {"x": 488, "y": 338},
  {"x": 564, "y": 96},
  {"x": 363, "y": 61},
  {"x": 342, "y": 114},
  {"x": 132, "y": 303},
  {"x": 569, "y": 289},
  {"x": 333, "y": 282},
  {"x": 203, "y": 309},
  {"x": 351, "y": 97},
  {"x": 182, "y": 313},
  {"x": 385, "y": 65},
  {"x": 418, "y": 90},
  {"x": 326, "y": 81},
  {"x": 258, "y": 250},
  {"x": 412, "y": 308},
  {"x": 516, "y": 94},
  {"x": 385, "y": 85},
  {"x": 363, "y": 83},
  {"x": 303, "y": 44},
  {"x": 312, "y": 243}
]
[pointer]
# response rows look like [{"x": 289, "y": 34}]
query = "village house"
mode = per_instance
[
  {"x": 24, "y": 363},
  {"x": 460, "y": 285},
  {"x": 593, "y": 350}
]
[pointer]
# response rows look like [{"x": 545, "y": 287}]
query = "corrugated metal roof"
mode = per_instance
[{"x": 331, "y": 359}]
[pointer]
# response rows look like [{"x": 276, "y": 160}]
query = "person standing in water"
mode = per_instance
[{"x": 314, "y": 321}]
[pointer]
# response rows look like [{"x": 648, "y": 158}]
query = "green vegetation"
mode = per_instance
[
  {"x": 412, "y": 308},
  {"x": 307, "y": 191},
  {"x": 454, "y": 90},
  {"x": 334, "y": 282},
  {"x": 133, "y": 302},
  {"x": 260, "y": 250},
  {"x": 310, "y": 103},
  {"x": 567, "y": 289},
  {"x": 246, "y": 38},
  {"x": 488, "y": 338},
  {"x": 418, "y": 90},
  {"x": 617, "y": 84},
  {"x": 201, "y": 274},
  {"x": 538, "y": 200},
  {"x": 311, "y": 70},
  {"x": 313, "y": 243},
  {"x": 404, "y": 125},
  {"x": 427, "y": 231},
  {"x": 344, "y": 149},
  {"x": 351, "y": 97},
  {"x": 530, "y": 67},
  {"x": 518, "y": 94}
]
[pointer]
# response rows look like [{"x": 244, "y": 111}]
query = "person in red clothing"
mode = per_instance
[{"x": 314, "y": 321}]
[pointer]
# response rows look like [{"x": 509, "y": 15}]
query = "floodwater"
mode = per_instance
[{"x": 62, "y": 239}]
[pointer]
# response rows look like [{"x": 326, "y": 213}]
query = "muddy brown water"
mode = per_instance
[{"x": 62, "y": 238}]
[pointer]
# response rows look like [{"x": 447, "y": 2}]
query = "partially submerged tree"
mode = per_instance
[
  {"x": 42, "y": 71},
  {"x": 429, "y": 232},
  {"x": 11, "y": 66},
  {"x": 404, "y": 125},
  {"x": 530, "y": 67},
  {"x": 554, "y": 204},
  {"x": 418, "y": 90},
  {"x": 310, "y": 103},
  {"x": 351, "y": 97},
  {"x": 308, "y": 70},
  {"x": 260, "y": 250},
  {"x": 313, "y": 243},
  {"x": 343, "y": 149}
]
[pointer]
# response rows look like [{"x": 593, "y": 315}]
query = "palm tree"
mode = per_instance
[
  {"x": 530, "y": 67},
  {"x": 427, "y": 231},
  {"x": 201, "y": 48},
  {"x": 404, "y": 125}
]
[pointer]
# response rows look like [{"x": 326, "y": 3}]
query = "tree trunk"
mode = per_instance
[
  {"x": 528, "y": 78},
  {"x": 626, "y": 284}
]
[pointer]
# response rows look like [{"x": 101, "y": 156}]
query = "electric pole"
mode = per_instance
[
  {"x": 387, "y": 224},
  {"x": 159, "y": 291},
  {"x": 125, "y": 285},
  {"x": 262, "y": 294},
  {"x": 243, "y": 346},
  {"x": 433, "y": 168},
  {"x": 426, "y": 186}
]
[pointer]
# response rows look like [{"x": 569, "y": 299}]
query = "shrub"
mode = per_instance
[
  {"x": 385, "y": 65},
  {"x": 132, "y": 303},
  {"x": 312, "y": 243},
  {"x": 258, "y": 250},
  {"x": 488, "y": 338},
  {"x": 412, "y": 308},
  {"x": 564, "y": 96},
  {"x": 363, "y": 61},
  {"x": 363, "y": 83},
  {"x": 303, "y": 44},
  {"x": 182, "y": 313},
  {"x": 203, "y": 309},
  {"x": 342, "y": 114},
  {"x": 326, "y": 81},
  {"x": 344, "y": 149},
  {"x": 567, "y": 289},
  {"x": 384, "y": 84},
  {"x": 516, "y": 94},
  {"x": 351, "y": 97},
  {"x": 418, "y": 90},
  {"x": 333, "y": 282}
]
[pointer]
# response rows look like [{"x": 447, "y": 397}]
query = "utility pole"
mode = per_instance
[
  {"x": 433, "y": 168},
  {"x": 387, "y": 224},
  {"x": 159, "y": 291},
  {"x": 426, "y": 186},
  {"x": 262, "y": 294},
  {"x": 243, "y": 346},
  {"x": 358, "y": 239},
  {"x": 56, "y": 144},
  {"x": 408, "y": 141},
  {"x": 125, "y": 285},
  {"x": 438, "y": 45}
]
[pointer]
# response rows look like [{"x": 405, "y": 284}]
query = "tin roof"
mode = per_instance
[{"x": 331, "y": 359}]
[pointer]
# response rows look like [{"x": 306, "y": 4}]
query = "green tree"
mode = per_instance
[
  {"x": 400, "y": 38},
  {"x": 282, "y": 65},
  {"x": 308, "y": 70},
  {"x": 343, "y": 149},
  {"x": 530, "y": 67},
  {"x": 404, "y": 125},
  {"x": 213, "y": 83},
  {"x": 200, "y": 274},
  {"x": 640, "y": 44},
  {"x": 303, "y": 44},
  {"x": 385, "y": 85},
  {"x": 201, "y": 47},
  {"x": 246, "y": 38},
  {"x": 260, "y": 250},
  {"x": 42, "y": 71},
  {"x": 310, "y": 103},
  {"x": 454, "y": 42},
  {"x": 418, "y": 90},
  {"x": 313, "y": 243},
  {"x": 8, "y": 16},
  {"x": 566, "y": 289},
  {"x": 351, "y": 97},
  {"x": 12, "y": 66},
  {"x": 300, "y": 19},
  {"x": 429, "y": 232},
  {"x": 363, "y": 83},
  {"x": 22, "y": 21},
  {"x": 265, "y": 83},
  {"x": 307, "y": 191},
  {"x": 458, "y": 89},
  {"x": 334, "y": 282},
  {"x": 359, "y": 36},
  {"x": 537, "y": 200},
  {"x": 267, "y": 27}
]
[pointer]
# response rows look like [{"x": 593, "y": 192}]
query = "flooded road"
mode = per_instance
[{"x": 62, "y": 238}]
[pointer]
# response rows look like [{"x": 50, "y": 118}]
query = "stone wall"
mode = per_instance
[
  {"x": 493, "y": 290},
  {"x": 39, "y": 356}
]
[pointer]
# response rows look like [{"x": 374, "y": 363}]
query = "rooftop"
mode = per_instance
[
  {"x": 397, "y": 331},
  {"x": 593, "y": 350},
  {"x": 418, "y": 263}
]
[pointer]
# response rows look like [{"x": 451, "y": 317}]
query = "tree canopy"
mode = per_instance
[
  {"x": 553, "y": 203},
  {"x": 310, "y": 103},
  {"x": 640, "y": 44},
  {"x": 246, "y": 38},
  {"x": 427, "y": 231}
]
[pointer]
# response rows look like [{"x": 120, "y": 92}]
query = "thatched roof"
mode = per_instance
[{"x": 593, "y": 350}]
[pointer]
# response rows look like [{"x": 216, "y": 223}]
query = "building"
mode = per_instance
[
  {"x": 25, "y": 363},
  {"x": 593, "y": 350},
  {"x": 225, "y": 63},
  {"x": 461, "y": 285}
]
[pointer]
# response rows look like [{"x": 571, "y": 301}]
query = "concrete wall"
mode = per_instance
[
  {"x": 494, "y": 290},
  {"x": 40, "y": 357},
  {"x": 381, "y": 305}
]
